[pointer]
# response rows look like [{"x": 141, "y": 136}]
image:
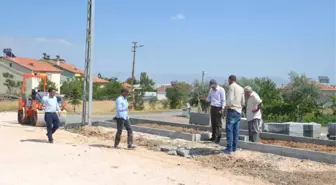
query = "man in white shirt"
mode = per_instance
[
  {"x": 216, "y": 97},
  {"x": 51, "y": 107},
  {"x": 253, "y": 113},
  {"x": 122, "y": 119},
  {"x": 234, "y": 104}
]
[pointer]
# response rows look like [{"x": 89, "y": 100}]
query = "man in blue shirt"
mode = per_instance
[
  {"x": 51, "y": 117},
  {"x": 122, "y": 119}
]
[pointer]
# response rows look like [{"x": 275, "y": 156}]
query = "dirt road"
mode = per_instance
[{"x": 26, "y": 158}]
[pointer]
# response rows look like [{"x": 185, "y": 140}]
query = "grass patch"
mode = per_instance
[
  {"x": 8, "y": 106},
  {"x": 98, "y": 107}
]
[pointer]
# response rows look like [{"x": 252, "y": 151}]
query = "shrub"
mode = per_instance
[
  {"x": 152, "y": 103},
  {"x": 165, "y": 103}
]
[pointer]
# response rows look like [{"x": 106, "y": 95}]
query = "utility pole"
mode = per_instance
[
  {"x": 134, "y": 47},
  {"x": 203, "y": 74},
  {"x": 88, "y": 65}
]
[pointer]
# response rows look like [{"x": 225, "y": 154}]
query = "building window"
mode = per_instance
[{"x": 10, "y": 64}]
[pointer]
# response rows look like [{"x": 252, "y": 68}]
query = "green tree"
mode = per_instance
[
  {"x": 146, "y": 84},
  {"x": 75, "y": 83},
  {"x": 107, "y": 78},
  {"x": 138, "y": 102},
  {"x": 152, "y": 103},
  {"x": 333, "y": 105},
  {"x": 50, "y": 84},
  {"x": 10, "y": 83},
  {"x": 111, "y": 90},
  {"x": 75, "y": 97},
  {"x": 129, "y": 81},
  {"x": 301, "y": 97},
  {"x": 178, "y": 94},
  {"x": 199, "y": 91}
]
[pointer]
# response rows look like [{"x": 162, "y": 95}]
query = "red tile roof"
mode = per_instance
[
  {"x": 163, "y": 88},
  {"x": 72, "y": 68},
  {"x": 33, "y": 64},
  {"x": 323, "y": 87},
  {"x": 126, "y": 85},
  {"x": 99, "y": 81},
  {"x": 66, "y": 66}
]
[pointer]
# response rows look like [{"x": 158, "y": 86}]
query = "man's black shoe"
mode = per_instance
[
  {"x": 212, "y": 139},
  {"x": 51, "y": 141},
  {"x": 217, "y": 140},
  {"x": 132, "y": 146}
]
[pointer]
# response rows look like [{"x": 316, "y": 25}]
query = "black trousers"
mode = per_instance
[
  {"x": 216, "y": 122},
  {"x": 52, "y": 123},
  {"x": 120, "y": 124}
]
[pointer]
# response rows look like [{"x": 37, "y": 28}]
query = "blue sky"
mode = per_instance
[{"x": 181, "y": 37}]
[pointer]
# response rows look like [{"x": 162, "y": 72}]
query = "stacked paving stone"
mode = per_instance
[
  {"x": 295, "y": 129},
  {"x": 199, "y": 118},
  {"x": 332, "y": 131},
  {"x": 243, "y": 124},
  {"x": 172, "y": 150}
]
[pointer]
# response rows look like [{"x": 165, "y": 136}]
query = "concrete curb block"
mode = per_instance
[
  {"x": 154, "y": 131},
  {"x": 136, "y": 121},
  {"x": 287, "y": 152},
  {"x": 263, "y": 135},
  {"x": 272, "y": 136}
]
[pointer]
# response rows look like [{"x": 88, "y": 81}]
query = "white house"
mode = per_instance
[
  {"x": 161, "y": 92},
  {"x": 19, "y": 66}
]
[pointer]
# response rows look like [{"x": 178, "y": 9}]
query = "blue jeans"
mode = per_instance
[
  {"x": 232, "y": 129},
  {"x": 52, "y": 122}
]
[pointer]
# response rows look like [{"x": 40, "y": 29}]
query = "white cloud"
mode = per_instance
[
  {"x": 52, "y": 41},
  {"x": 178, "y": 17}
]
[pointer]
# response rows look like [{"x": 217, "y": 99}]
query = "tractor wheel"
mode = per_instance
[
  {"x": 33, "y": 118},
  {"x": 21, "y": 117}
]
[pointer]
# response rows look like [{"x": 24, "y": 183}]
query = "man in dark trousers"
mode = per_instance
[
  {"x": 122, "y": 119},
  {"x": 51, "y": 117},
  {"x": 216, "y": 97}
]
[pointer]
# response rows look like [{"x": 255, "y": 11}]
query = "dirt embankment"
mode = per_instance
[
  {"x": 172, "y": 128},
  {"x": 271, "y": 168},
  {"x": 310, "y": 146}
]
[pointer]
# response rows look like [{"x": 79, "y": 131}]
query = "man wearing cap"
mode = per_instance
[
  {"x": 122, "y": 119},
  {"x": 216, "y": 97},
  {"x": 234, "y": 104}
]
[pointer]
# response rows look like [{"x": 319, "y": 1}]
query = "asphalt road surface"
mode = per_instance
[{"x": 158, "y": 116}]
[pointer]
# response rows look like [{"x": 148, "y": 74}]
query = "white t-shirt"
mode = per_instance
[{"x": 253, "y": 102}]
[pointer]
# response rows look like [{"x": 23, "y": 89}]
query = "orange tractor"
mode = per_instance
[{"x": 31, "y": 109}]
